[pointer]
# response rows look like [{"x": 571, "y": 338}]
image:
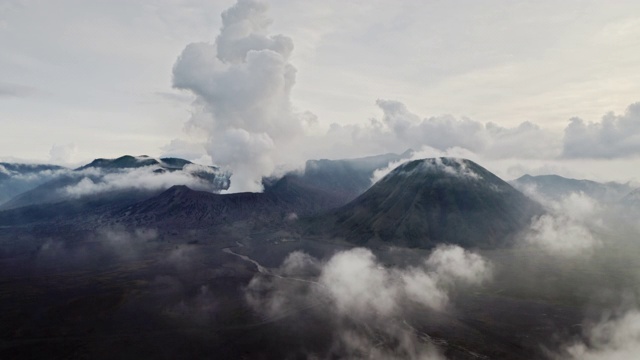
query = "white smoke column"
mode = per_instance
[{"x": 242, "y": 83}]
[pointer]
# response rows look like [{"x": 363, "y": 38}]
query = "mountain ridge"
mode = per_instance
[
  {"x": 556, "y": 186},
  {"x": 103, "y": 175}
]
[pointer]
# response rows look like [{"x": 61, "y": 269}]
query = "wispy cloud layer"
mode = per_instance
[{"x": 95, "y": 181}]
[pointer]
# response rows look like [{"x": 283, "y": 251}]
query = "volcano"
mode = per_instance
[{"x": 431, "y": 201}]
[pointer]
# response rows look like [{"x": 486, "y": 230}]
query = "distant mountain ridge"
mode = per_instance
[
  {"x": 16, "y": 178},
  {"x": 340, "y": 180},
  {"x": 324, "y": 185},
  {"x": 128, "y": 162},
  {"x": 420, "y": 203},
  {"x": 8, "y": 169},
  {"x": 108, "y": 177},
  {"x": 555, "y": 186},
  {"x": 182, "y": 207}
]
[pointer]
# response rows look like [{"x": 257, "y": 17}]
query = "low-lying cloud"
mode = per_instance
[
  {"x": 18, "y": 178},
  {"x": 612, "y": 338},
  {"x": 569, "y": 228},
  {"x": 581, "y": 216},
  {"x": 104, "y": 245},
  {"x": 588, "y": 251},
  {"x": 365, "y": 297},
  {"x": 150, "y": 178}
]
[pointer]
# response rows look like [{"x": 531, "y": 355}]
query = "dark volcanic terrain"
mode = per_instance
[{"x": 184, "y": 273}]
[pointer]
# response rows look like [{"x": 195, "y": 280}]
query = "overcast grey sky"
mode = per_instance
[{"x": 503, "y": 79}]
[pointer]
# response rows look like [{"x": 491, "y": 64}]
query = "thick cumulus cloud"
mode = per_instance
[
  {"x": 441, "y": 132},
  {"x": 399, "y": 129},
  {"x": 242, "y": 83},
  {"x": 519, "y": 149},
  {"x": 367, "y": 301},
  {"x": 614, "y": 136}
]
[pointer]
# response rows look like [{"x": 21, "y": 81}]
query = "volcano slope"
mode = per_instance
[{"x": 426, "y": 202}]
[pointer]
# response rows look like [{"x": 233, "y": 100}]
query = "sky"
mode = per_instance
[{"x": 536, "y": 86}]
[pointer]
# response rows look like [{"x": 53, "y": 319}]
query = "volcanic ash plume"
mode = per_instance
[{"x": 242, "y": 84}]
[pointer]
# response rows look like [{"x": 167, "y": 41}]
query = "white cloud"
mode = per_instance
[
  {"x": 367, "y": 299},
  {"x": 568, "y": 229},
  {"x": 255, "y": 116},
  {"x": 441, "y": 132},
  {"x": 610, "y": 339},
  {"x": 445, "y": 132},
  {"x": 299, "y": 263},
  {"x": 95, "y": 181},
  {"x": 399, "y": 129},
  {"x": 561, "y": 235},
  {"x": 243, "y": 83},
  {"x": 359, "y": 285},
  {"x": 453, "y": 263},
  {"x": 614, "y": 136},
  {"x": 63, "y": 154},
  {"x": 184, "y": 149}
]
